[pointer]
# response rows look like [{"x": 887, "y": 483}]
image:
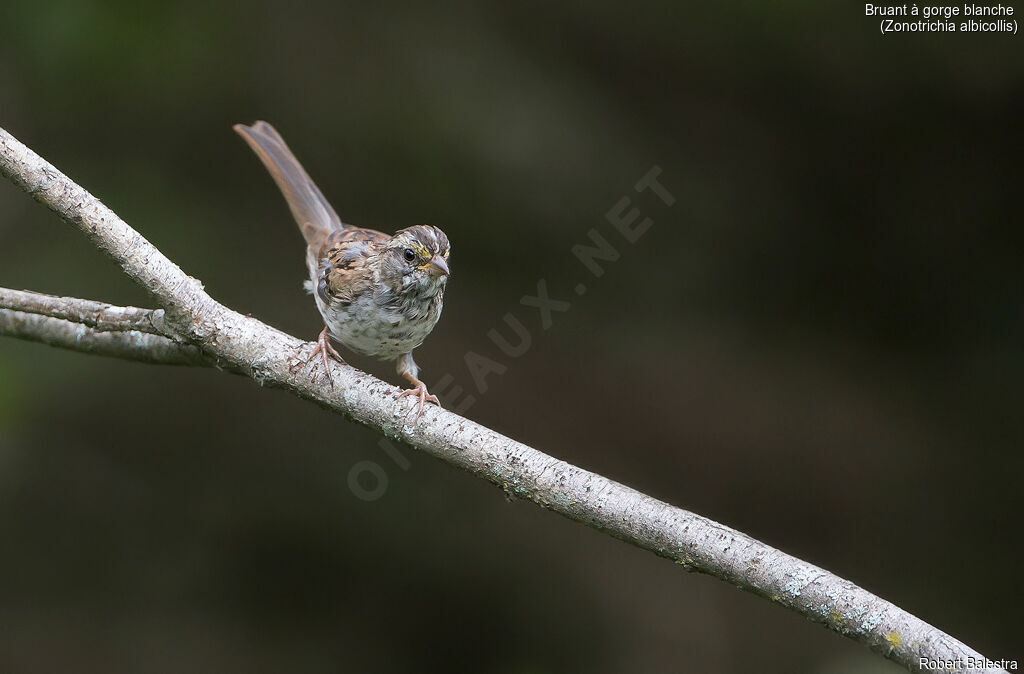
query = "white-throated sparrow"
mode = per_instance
[{"x": 379, "y": 295}]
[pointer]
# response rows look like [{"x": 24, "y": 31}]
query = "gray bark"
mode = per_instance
[
  {"x": 100, "y": 315},
  {"x": 127, "y": 344}
]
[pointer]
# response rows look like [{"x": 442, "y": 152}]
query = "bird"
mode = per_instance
[{"x": 379, "y": 295}]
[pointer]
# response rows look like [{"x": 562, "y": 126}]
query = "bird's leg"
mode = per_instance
[
  {"x": 407, "y": 368},
  {"x": 420, "y": 391},
  {"x": 325, "y": 349}
]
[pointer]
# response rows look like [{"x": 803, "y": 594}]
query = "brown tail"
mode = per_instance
[{"x": 315, "y": 216}]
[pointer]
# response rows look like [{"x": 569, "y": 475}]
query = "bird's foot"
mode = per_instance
[
  {"x": 420, "y": 391},
  {"x": 325, "y": 351}
]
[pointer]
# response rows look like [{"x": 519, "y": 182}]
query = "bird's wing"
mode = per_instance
[{"x": 344, "y": 257}]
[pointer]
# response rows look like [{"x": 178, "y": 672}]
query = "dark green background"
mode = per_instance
[{"x": 820, "y": 343}]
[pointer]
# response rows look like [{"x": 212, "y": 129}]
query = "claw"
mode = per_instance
[
  {"x": 420, "y": 391},
  {"x": 325, "y": 350}
]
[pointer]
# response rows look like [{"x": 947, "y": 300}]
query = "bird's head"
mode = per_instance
[{"x": 419, "y": 255}]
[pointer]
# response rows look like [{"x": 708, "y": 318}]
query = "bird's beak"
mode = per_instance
[{"x": 437, "y": 266}]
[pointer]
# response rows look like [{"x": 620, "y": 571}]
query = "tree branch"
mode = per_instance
[
  {"x": 128, "y": 345},
  {"x": 100, "y": 315},
  {"x": 244, "y": 344}
]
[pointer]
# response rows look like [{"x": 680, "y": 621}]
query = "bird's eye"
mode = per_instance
[{"x": 410, "y": 255}]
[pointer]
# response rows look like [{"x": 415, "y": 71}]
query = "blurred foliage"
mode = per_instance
[{"x": 820, "y": 343}]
